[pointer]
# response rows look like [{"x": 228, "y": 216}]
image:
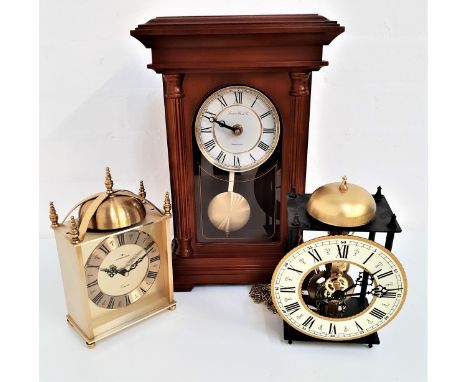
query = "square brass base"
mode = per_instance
[{"x": 91, "y": 342}]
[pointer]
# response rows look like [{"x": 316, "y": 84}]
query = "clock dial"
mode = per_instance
[
  {"x": 121, "y": 269},
  {"x": 319, "y": 287},
  {"x": 237, "y": 128}
]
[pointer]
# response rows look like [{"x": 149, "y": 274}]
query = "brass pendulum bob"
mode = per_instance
[{"x": 229, "y": 211}]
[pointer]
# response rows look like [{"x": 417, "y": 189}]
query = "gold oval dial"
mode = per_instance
[
  {"x": 121, "y": 269},
  {"x": 339, "y": 287},
  {"x": 237, "y": 128}
]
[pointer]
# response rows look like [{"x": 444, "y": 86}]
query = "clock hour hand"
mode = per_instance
[
  {"x": 235, "y": 130},
  {"x": 111, "y": 271}
]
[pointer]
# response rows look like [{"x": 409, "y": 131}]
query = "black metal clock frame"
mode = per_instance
[{"x": 299, "y": 220}]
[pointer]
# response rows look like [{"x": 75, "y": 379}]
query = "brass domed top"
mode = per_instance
[
  {"x": 114, "y": 210},
  {"x": 342, "y": 204}
]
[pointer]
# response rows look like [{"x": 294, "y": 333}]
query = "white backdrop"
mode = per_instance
[{"x": 100, "y": 106}]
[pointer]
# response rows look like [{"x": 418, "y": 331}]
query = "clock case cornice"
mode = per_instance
[
  {"x": 196, "y": 55},
  {"x": 237, "y": 43}
]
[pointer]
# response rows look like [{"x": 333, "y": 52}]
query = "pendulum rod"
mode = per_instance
[{"x": 231, "y": 181}]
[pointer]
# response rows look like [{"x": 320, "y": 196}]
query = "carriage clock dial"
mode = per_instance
[
  {"x": 237, "y": 128},
  {"x": 121, "y": 269},
  {"x": 317, "y": 288}
]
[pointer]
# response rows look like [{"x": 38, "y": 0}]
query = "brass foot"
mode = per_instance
[
  {"x": 68, "y": 321},
  {"x": 173, "y": 307},
  {"x": 90, "y": 345}
]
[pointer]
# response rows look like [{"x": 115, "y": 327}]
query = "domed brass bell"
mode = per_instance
[
  {"x": 342, "y": 204},
  {"x": 116, "y": 210}
]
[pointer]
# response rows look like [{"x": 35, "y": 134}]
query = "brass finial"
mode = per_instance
[
  {"x": 167, "y": 205},
  {"x": 53, "y": 215},
  {"x": 109, "y": 183},
  {"x": 74, "y": 231},
  {"x": 344, "y": 184},
  {"x": 142, "y": 190}
]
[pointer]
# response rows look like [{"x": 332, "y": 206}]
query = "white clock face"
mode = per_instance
[
  {"x": 121, "y": 269},
  {"x": 318, "y": 287},
  {"x": 237, "y": 128}
]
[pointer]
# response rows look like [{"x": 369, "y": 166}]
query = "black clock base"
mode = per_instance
[{"x": 291, "y": 334}]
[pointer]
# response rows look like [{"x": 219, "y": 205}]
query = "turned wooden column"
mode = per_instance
[
  {"x": 181, "y": 186},
  {"x": 300, "y": 107}
]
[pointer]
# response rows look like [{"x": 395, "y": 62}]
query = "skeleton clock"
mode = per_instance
[{"x": 237, "y": 100}]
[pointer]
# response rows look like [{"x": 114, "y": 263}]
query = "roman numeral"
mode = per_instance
[
  {"x": 236, "y": 161},
  {"x": 343, "y": 251},
  {"x": 222, "y": 101},
  {"x": 221, "y": 156},
  {"x": 139, "y": 233},
  {"x": 127, "y": 300},
  {"x": 209, "y": 115},
  {"x": 373, "y": 274},
  {"x": 121, "y": 239},
  {"x": 385, "y": 274},
  {"x": 143, "y": 291},
  {"x": 206, "y": 129},
  {"x": 151, "y": 274},
  {"x": 104, "y": 249},
  {"x": 332, "y": 329},
  {"x": 368, "y": 258},
  {"x": 263, "y": 146},
  {"x": 98, "y": 298},
  {"x": 210, "y": 145},
  {"x": 287, "y": 289},
  {"x": 265, "y": 114},
  {"x": 309, "y": 322},
  {"x": 315, "y": 255},
  {"x": 269, "y": 131},
  {"x": 92, "y": 283},
  {"x": 358, "y": 326},
  {"x": 238, "y": 96},
  {"x": 292, "y": 308},
  {"x": 110, "y": 305},
  {"x": 148, "y": 247},
  {"x": 389, "y": 294},
  {"x": 255, "y": 100},
  {"x": 155, "y": 258},
  {"x": 377, "y": 313},
  {"x": 295, "y": 270},
  {"x": 252, "y": 157}
]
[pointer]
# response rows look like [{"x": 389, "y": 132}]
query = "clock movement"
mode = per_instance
[
  {"x": 339, "y": 287},
  {"x": 115, "y": 261},
  {"x": 237, "y": 101}
]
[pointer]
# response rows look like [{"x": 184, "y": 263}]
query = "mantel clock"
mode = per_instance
[
  {"x": 237, "y": 100},
  {"x": 115, "y": 261}
]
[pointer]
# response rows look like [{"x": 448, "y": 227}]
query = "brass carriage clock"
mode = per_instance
[
  {"x": 237, "y": 100},
  {"x": 115, "y": 261},
  {"x": 339, "y": 287}
]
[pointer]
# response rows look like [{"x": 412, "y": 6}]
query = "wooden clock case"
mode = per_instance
[{"x": 197, "y": 55}]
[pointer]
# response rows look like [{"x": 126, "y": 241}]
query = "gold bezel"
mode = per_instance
[
  {"x": 197, "y": 129},
  {"x": 338, "y": 237}
]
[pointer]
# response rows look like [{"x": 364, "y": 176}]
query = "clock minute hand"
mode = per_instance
[{"x": 133, "y": 266}]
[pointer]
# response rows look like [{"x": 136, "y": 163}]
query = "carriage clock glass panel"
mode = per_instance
[
  {"x": 320, "y": 288},
  {"x": 121, "y": 269},
  {"x": 237, "y": 166}
]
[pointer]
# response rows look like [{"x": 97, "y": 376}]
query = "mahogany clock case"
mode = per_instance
[{"x": 198, "y": 55}]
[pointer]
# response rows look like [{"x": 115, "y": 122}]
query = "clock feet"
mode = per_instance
[
  {"x": 173, "y": 307},
  {"x": 90, "y": 345}
]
